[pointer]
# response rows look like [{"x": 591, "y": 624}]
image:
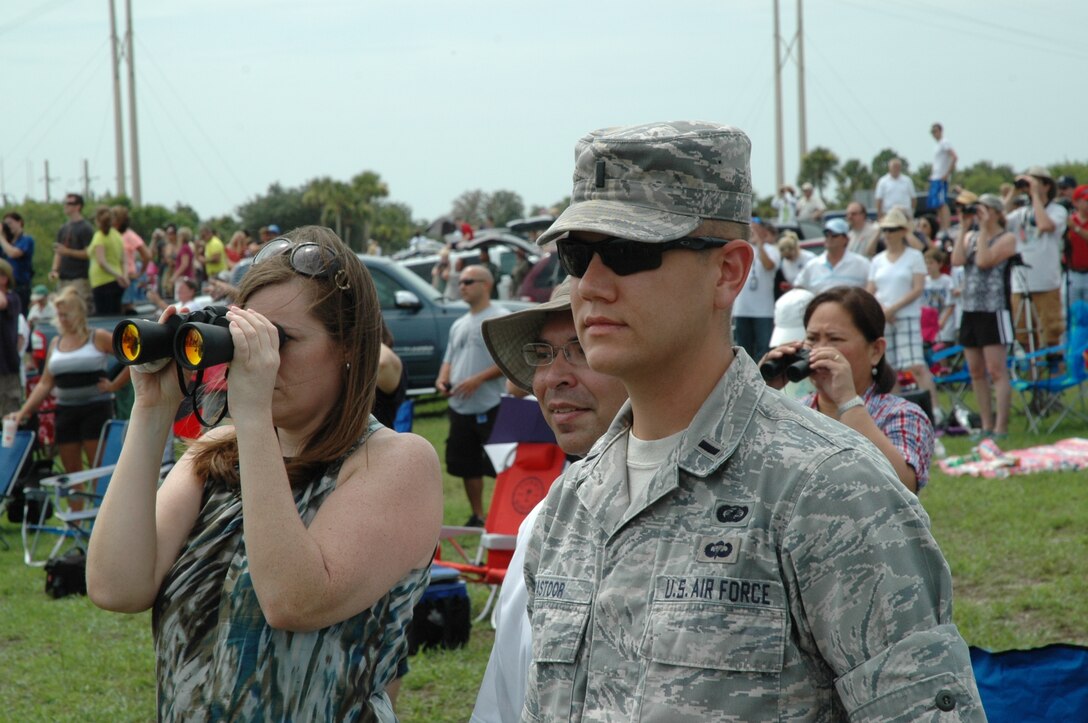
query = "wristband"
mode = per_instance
[{"x": 847, "y": 406}]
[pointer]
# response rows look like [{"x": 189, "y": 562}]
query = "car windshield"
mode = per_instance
[{"x": 417, "y": 286}]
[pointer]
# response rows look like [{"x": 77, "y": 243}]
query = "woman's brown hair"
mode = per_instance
[
  {"x": 868, "y": 317},
  {"x": 103, "y": 219},
  {"x": 346, "y": 305}
]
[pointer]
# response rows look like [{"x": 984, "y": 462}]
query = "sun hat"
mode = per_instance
[
  {"x": 657, "y": 182},
  {"x": 505, "y": 336},
  {"x": 1039, "y": 172},
  {"x": 789, "y": 316},
  {"x": 896, "y": 219},
  {"x": 966, "y": 198}
]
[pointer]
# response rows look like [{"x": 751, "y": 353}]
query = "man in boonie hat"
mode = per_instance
[
  {"x": 538, "y": 351},
  {"x": 717, "y": 551},
  {"x": 1039, "y": 228}
]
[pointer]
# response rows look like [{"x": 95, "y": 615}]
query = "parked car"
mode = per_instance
[
  {"x": 545, "y": 275},
  {"x": 501, "y": 246}
]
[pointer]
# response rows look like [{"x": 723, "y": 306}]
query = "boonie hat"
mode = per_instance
[
  {"x": 806, "y": 186},
  {"x": 1039, "y": 172},
  {"x": 39, "y": 292},
  {"x": 966, "y": 198},
  {"x": 657, "y": 182},
  {"x": 505, "y": 336},
  {"x": 789, "y": 316},
  {"x": 896, "y": 219},
  {"x": 837, "y": 227},
  {"x": 991, "y": 201}
]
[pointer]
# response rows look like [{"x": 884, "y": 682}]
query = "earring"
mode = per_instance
[
  {"x": 348, "y": 366},
  {"x": 876, "y": 371}
]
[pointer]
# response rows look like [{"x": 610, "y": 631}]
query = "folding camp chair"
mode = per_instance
[
  {"x": 12, "y": 460},
  {"x": 518, "y": 489},
  {"x": 1043, "y": 395},
  {"x": 405, "y": 416},
  {"x": 950, "y": 373},
  {"x": 90, "y": 486}
]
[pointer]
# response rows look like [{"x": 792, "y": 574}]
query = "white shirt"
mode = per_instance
[
  {"x": 756, "y": 299},
  {"x": 786, "y": 205},
  {"x": 942, "y": 160},
  {"x": 895, "y": 279},
  {"x": 790, "y": 269},
  {"x": 1041, "y": 251},
  {"x": 809, "y": 209},
  {"x": 819, "y": 275},
  {"x": 896, "y": 192},
  {"x": 861, "y": 238},
  {"x": 502, "y": 691}
]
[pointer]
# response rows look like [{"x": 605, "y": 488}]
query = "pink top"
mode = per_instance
[{"x": 133, "y": 243}]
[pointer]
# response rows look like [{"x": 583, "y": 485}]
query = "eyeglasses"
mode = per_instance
[
  {"x": 468, "y": 282},
  {"x": 308, "y": 259},
  {"x": 542, "y": 354},
  {"x": 622, "y": 256}
]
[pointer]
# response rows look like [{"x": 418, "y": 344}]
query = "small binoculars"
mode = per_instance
[
  {"x": 795, "y": 367},
  {"x": 196, "y": 340}
]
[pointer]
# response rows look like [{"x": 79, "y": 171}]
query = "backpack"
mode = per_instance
[{"x": 67, "y": 574}]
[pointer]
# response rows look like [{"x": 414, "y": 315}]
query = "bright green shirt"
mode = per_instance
[
  {"x": 115, "y": 256},
  {"x": 214, "y": 248}
]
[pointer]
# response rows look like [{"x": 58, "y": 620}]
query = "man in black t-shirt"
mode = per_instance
[{"x": 70, "y": 260}]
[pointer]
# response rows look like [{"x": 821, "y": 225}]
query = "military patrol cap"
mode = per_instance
[
  {"x": 657, "y": 182},
  {"x": 506, "y": 335}
]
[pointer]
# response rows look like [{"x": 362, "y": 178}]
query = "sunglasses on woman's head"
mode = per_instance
[
  {"x": 622, "y": 256},
  {"x": 307, "y": 259}
]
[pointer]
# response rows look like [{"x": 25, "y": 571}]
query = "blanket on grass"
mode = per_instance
[{"x": 989, "y": 460}]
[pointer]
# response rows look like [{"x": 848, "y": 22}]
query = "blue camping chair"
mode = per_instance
[
  {"x": 1046, "y": 396},
  {"x": 12, "y": 460},
  {"x": 90, "y": 486}
]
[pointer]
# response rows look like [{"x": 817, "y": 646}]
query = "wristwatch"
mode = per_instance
[{"x": 847, "y": 406}]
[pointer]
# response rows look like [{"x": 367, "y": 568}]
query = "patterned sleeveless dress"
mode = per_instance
[{"x": 217, "y": 658}]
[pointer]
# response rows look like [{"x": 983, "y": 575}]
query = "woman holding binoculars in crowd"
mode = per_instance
[
  {"x": 844, "y": 333},
  {"x": 305, "y": 617}
]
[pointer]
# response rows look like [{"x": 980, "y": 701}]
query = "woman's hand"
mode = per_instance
[
  {"x": 255, "y": 364},
  {"x": 832, "y": 375},
  {"x": 156, "y": 387}
]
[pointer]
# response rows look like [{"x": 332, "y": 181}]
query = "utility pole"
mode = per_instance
[
  {"x": 800, "y": 79},
  {"x": 779, "y": 168},
  {"x": 47, "y": 180},
  {"x": 86, "y": 180},
  {"x": 134, "y": 146},
  {"x": 118, "y": 132}
]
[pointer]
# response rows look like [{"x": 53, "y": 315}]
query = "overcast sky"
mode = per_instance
[{"x": 439, "y": 97}]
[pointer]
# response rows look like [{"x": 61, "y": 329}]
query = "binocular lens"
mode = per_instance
[
  {"x": 130, "y": 343},
  {"x": 193, "y": 346}
]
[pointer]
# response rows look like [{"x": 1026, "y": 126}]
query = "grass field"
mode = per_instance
[{"x": 1018, "y": 549}]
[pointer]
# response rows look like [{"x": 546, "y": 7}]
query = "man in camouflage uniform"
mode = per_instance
[{"x": 721, "y": 552}]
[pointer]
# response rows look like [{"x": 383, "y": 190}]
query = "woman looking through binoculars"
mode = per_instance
[
  {"x": 844, "y": 332},
  {"x": 304, "y": 618}
]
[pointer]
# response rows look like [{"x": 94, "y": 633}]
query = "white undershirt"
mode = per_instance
[{"x": 644, "y": 458}]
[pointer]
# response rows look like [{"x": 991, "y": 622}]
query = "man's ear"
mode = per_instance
[{"x": 733, "y": 262}]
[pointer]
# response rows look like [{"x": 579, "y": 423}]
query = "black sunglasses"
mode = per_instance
[
  {"x": 467, "y": 282},
  {"x": 622, "y": 256}
]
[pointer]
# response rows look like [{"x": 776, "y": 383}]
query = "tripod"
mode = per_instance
[{"x": 1025, "y": 325}]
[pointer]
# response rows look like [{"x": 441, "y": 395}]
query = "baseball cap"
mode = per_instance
[
  {"x": 505, "y": 336},
  {"x": 273, "y": 229},
  {"x": 1067, "y": 182},
  {"x": 991, "y": 201},
  {"x": 1081, "y": 193},
  {"x": 896, "y": 219},
  {"x": 656, "y": 182},
  {"x": 789, "y": 316},
  {"x": 39, "y": 292},
  {"x": 837, "y": 226}
]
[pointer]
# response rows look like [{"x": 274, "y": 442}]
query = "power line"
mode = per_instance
[{"x": 32, "y": 14}]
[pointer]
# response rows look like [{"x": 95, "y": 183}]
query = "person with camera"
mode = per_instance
[
  {"x": 1039, "y": 228},
  {"x": 844, "y": 355},
  {"x": 986, "y": 326},
  {"x": 303, "y": 618},
  {"x": 76, "y": 370}
]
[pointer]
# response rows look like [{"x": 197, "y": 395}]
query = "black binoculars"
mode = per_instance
[
  {"x": 794, "y": 366},
  {"x": 196, "y": 340}
]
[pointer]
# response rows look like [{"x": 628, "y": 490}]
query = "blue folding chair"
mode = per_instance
[
  {"x": 90, "y": 486},
  {"x": 12, "y": 460},
  {"x": 405, "y": 415}
]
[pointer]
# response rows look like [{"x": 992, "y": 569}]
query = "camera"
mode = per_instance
[
  {"x": 794, "y": 366},
  {"x": 196, "y": 340},
  {"x": 1022, "y": 183}
]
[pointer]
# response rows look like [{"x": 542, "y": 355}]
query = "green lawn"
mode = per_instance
[{"x": 1018, "y": 548}]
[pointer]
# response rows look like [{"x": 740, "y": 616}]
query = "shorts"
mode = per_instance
[
  {"x": 938, "y": 194},
  {"x": 904, "y": 339},
  {"x": 465, "y": 455},
  {"x": 986, "y": 328},
  {"x": 82, "y": 422}
]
